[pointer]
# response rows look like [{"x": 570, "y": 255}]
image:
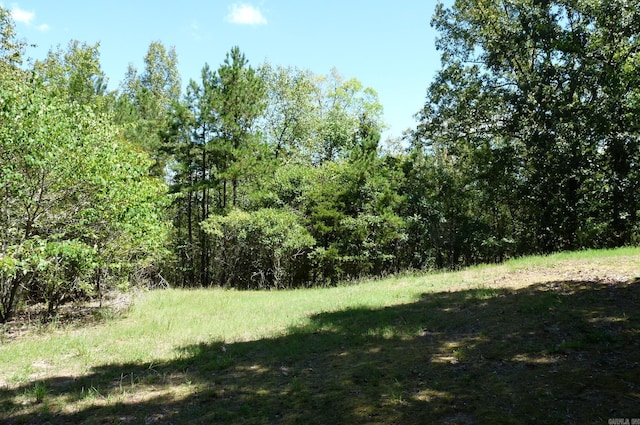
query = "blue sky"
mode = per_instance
[{"x": 387, "y": 45}]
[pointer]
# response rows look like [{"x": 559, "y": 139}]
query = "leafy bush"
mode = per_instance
[
  {"x": 266, "y": 248},
  {"x": 77, "y": 202}
]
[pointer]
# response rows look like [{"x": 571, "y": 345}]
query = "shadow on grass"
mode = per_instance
[{"x": 556, "y": 352}]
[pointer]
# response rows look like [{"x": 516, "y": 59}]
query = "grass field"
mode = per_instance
[{"x": 537, "y": 340}]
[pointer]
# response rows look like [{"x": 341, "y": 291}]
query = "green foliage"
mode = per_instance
[
  {"x": 312, "y": 119},
  {"x": 75, "y": 74},
  {"x": 289, "y": 122},
  {"x": 353, "y": 212},
  {"x": 266, "y": 248},
  {"x": 530, "y": 130},
  {"x": 60, "y": 270},
  {"x": 246, "y": 144},
  {"x": 76, "y": 199},
  {"x": 528, "y": 142},
  {"x": 238, "y": 99},
  {"x": 11, "y": 48},
  {"x": 343, "y": 104},
  {"x": 143, "y": 109},
  {"x": 215, "y": 156}
]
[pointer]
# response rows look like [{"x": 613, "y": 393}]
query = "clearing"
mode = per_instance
[{"x": 538, "y": 340}]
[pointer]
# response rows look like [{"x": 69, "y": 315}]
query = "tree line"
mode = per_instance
[{"x": 276, "y": 177}]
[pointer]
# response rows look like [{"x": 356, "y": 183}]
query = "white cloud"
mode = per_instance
[
  {"x": 245, "y": 14},
  {"x": 21, "y": 15},
  {"x": 26, "y": 17}
]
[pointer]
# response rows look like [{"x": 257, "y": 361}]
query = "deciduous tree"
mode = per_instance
[{"x": 536, "y": 101}]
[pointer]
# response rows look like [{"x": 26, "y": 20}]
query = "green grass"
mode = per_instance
[{"x": 547, "y": 339}]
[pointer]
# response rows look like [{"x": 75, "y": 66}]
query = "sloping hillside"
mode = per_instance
[{"x": 536, "y": 340}]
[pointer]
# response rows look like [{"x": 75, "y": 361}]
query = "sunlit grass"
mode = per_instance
[
  {"x": 159, "y": 321},
  {"x": 314, "y": 344}
]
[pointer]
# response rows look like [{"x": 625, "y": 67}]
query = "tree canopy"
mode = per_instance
[
  {"x": 537, "y": 103},
  {"x": 270, "y": 176}
]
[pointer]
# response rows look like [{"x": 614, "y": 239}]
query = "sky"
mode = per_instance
[{"x": 387, "y": 45}]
